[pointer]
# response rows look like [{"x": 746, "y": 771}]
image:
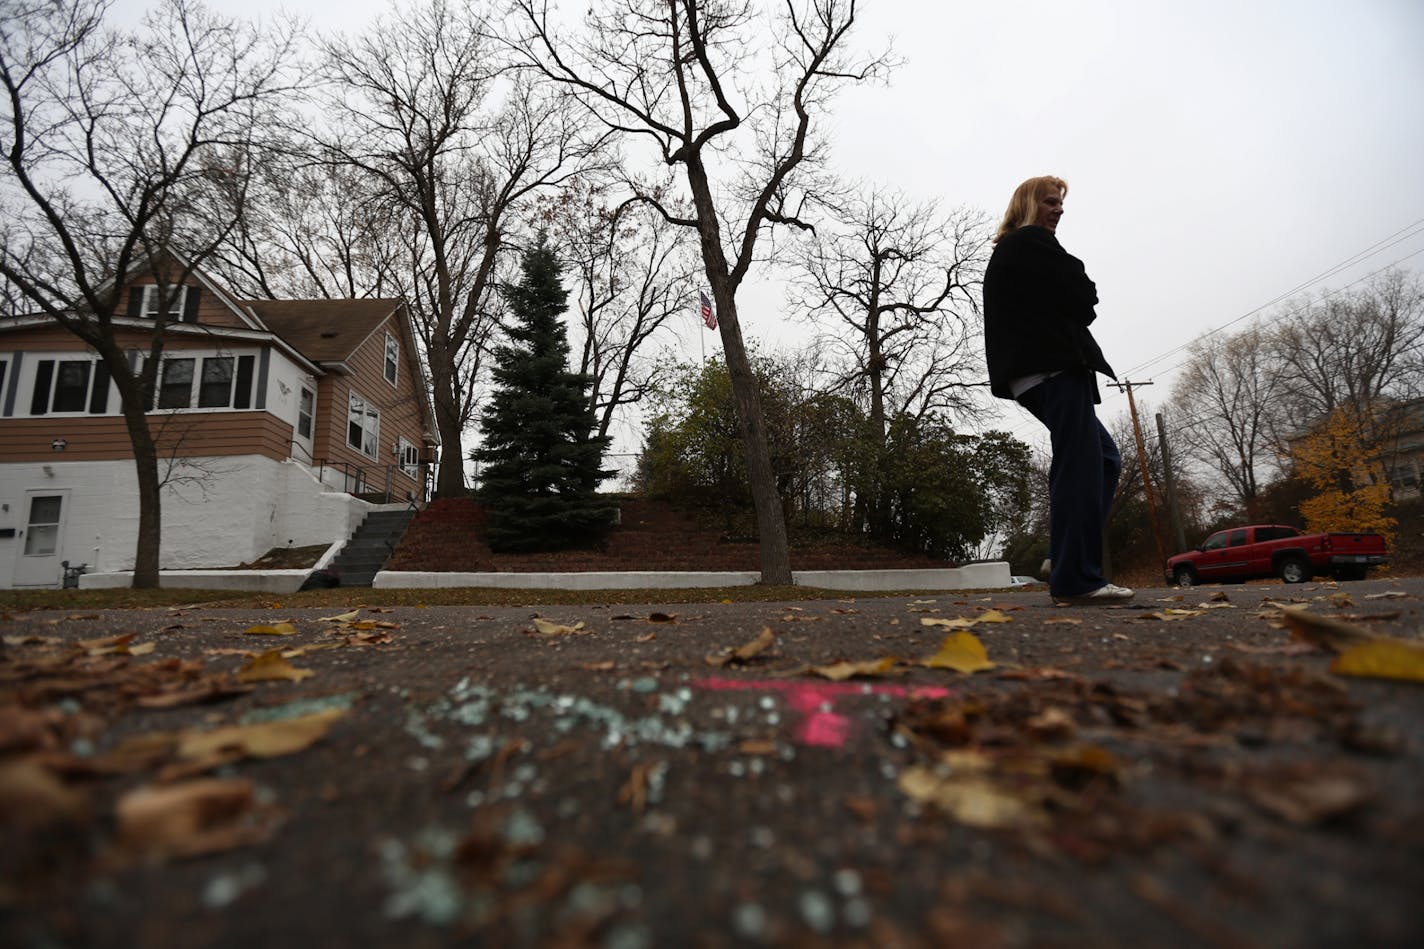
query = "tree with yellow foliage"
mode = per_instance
[{"x": 1336, "y": 460}]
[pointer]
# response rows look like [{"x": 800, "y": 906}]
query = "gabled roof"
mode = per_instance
[{"x": 325, "y": 331}]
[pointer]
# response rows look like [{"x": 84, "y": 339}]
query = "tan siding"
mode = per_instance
[
  {"x": 399, "y": 407},
  {"x": 196, "y": 435}
]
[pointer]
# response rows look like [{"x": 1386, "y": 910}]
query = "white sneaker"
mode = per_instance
[
  {"x": 1045, "y": 568},
  {"x": 1105, "y": 594}
]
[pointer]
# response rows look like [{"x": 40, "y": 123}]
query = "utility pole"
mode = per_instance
[
  {"x": 1174, "y": 512},
  {"x": 1142, "y": 463}
]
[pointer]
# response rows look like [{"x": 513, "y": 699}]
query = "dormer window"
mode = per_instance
[
  {"x": 392, "y": 358},
  {"x": 182, "y": 302}
]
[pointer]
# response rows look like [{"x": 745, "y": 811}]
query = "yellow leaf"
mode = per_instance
[
  {"x": 271, "y": 666},
  {"x": 1382, "y": 659},
  {"x": 273, "y": 739},
  {"x": 956, "y": 623},
  {"x": 1170, "y": 615},
  {"x": 275, "y": 629},
  {"x": 748, "y": 650},
  {"x": 1062, "y": 621},
  {"x": 556, "y": 629},
  {"x": 841, "y": 671},
  {"x": 962, "y": 652},
  {"x": 341, "y": 617},
  {"x": 995, "y": 616}
]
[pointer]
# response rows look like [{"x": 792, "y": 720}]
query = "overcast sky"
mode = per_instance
[{"x": 1219, "y": 153}]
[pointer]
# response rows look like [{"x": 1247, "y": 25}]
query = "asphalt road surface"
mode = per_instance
[{"x": 1179, "y": 771}]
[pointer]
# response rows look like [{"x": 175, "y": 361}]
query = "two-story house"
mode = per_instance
[{"x": 279, "y": 423}]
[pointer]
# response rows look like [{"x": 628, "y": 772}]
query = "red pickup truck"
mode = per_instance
[{"x": 1274, "y": 550}]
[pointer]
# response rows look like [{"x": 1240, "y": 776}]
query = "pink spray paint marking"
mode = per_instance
[{"x": 819, "y": 727}]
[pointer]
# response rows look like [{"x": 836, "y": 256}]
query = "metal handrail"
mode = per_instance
[{"x": 365, "y": 479}]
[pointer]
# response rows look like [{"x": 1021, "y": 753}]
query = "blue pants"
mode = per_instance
[{"x": 1081, "y": 481}]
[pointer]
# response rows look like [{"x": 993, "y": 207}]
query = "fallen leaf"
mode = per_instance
[
  {"x": 971, "y": 799},
  {"x": 1062, "y": 621},
  {"x": 961, "y": 622},
  {"x": 194, "y": 817},
  {"x": 994, "y": 616},
  {"x": 1170, "y": 615},
  {"x": 341, "y": 617},
  {"x": 607, "y": 665},
  {"x": 757, "y": 746},
  {"x": 840, "y": 671},
  {"x": 662, "y": 617},
  {"x": 556, "y": 629},
  {"x": 283, "y": 736},
  {"x": 1283, "y": 649},
  {"x": 32, "y": 797},
  {"x": 1386, "y": 595},
  {"x": 1382, "y": 659},
  {"x": 962, "y": 652},
  {"x": 1052, "y": 723},
  {"x": 275, "y": 629},
  {"x": 1333, "y": 634},
  {"x": 645, "y": 638},
  {"x": 1308, "y": 799},
  {"x": 748, "y": 650},
  {"x": 271, "y": 666}
]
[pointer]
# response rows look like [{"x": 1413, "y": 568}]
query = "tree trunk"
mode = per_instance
[
  {"x": 150, "y": 502},
  {"x": 450, "y": 481},
  {"x": 771, "y": 521}
]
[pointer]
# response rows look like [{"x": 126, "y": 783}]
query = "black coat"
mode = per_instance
[{"x": 1038, "y": 304}]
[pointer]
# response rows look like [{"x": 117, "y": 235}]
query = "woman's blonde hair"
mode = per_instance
[{"x": 1023, "y": 206}]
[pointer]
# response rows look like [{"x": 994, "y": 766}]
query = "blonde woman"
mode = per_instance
[{"x": 1038, "y": 305}]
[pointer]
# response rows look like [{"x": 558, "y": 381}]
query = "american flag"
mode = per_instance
[{"x": 708, "y": 316}]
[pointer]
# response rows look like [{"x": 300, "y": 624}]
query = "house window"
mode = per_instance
[
  {"x": 392, "y": 358},
  {"x": 363, "y": 426},
  {"x": 175, "y": 384},
  {"x": 70, "y": 385},
  {"x": 306, "y": 408},
  {"x": 215, "y": 390},
  {"x": 409, "y": 456},
  {"x": 182, "y": 302}
]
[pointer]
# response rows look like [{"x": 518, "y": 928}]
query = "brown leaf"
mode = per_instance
[
  {"x": 645, "y": 638},
  {"x": 662, "y": 617},
  {"x": 1322, "y": 631},
  {"x": 271, "y": 666},
  {"x": 757, "y": 746},
  {"x": 1308, "y": 798},
  {"x": 840, "y": 671},
  {"x": 1052, "y": 724},
  {"x": 1170, "y": 615},
  {"x": 211, "y": 689},
  {"x": 274, "y": 629},
  {"x": 549, "y": 628},
  {"x": 971, "y": 799},
  {"x": 263, "y": 740},
  {"x": 747, "y": 651},
  {"x": 607, "y": 665},
  {"x": 31, "y": 797},
  {"x": 192, "y": 818}
]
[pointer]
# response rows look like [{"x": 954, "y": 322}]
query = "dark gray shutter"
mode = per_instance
[
  {"x": 99, "y": 398},
  {"x": 243, "y": 397},
  {"x": 44, "y": 375},
  {"x": 262, "y": 379},
  {"x": 14, "y": 385},
  {"x": 136, "y": 302},
  {"x": 190, "y": 304}
]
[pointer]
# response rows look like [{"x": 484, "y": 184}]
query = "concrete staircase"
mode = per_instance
[{"x": 370, "y": 546}]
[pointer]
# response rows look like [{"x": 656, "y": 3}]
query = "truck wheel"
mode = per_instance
[
  {"x": 1184, "y": 576},
  {"x": 1294, "y": 570}
]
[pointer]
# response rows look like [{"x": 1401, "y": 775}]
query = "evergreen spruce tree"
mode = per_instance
[{"x": 539, "y": 461}]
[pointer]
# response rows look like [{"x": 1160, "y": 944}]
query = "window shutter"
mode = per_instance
[
  {"x": 136, "y": 302},
  {"x": 44, "y": 375},
  {"x": 99, "y": 398},
  {"x": 191, "y": 296}
]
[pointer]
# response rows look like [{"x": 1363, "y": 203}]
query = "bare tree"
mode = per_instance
[
  {"x": 1352, "y": 349},
  {"x": 1227, "y": 409},
  {"x": 631, "y": 271},
  {"x": 122, "y": 150},
  {"x": 452, "y": 148},
  {"x": 714, "y": 89},
  {"x": 894, "y": 282}
]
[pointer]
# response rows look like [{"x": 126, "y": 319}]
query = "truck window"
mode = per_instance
[
  {"x": 1275, "y": 533},
  {"x": 1238, "y": 537},
  {"x": 1216, "y": 541}
]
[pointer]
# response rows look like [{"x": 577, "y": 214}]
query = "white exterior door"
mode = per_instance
[
  {"x": 42, "y": 547},
  {"x": 306, "y": 421}
]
